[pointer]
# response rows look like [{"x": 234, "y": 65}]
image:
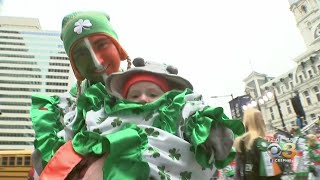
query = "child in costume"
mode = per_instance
[
  {"x": 300, "y": 162},
  {"x": 171, "y": 137},
  {"x": 94, "y": 52}
]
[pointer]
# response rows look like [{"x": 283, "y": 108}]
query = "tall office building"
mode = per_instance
[{"x": 31, "y": 61}]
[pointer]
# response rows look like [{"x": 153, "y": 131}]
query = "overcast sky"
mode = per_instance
[{"x": 215, "y": 44}]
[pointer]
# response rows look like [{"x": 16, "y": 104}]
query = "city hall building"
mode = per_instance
[{"x": 297, "y": 91}]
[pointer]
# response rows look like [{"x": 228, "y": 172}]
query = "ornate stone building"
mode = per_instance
[{"x": 296, "y": 92}]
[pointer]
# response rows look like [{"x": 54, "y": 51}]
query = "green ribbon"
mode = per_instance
[
  {"x": 94, "y": 98},
  {"x": 198, "y": 127},
  {"x": 46, "y": 124},
  {"x": 124, "y": 148}
]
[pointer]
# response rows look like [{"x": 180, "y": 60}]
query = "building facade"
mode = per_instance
[
  {"x": 31, "y": 61},
  {"x": 237, "y": 104},
  {"x": 296, "y": 92}
]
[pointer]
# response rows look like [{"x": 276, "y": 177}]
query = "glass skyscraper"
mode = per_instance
[{"x": 31, "y": 61}]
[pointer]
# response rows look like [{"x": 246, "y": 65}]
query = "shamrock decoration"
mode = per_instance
[
  {"x": 149, "y": 116},
  {"x": 155, "y": 152},
  {"x": 185, "y": 175},
  {"x": 174, "y": 154},
  {"x": 100, "y": 120},
  {"x": 81, "y": 24},
  {"x": 116, "y": 122},
  {"x": 97, "y": 131},
  {"x": 151, "y": 132},
  {"x": 137, "y": 111},
  {"x": 163, "y": 173}
]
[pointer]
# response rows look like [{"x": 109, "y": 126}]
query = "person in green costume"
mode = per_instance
[
  {"x": 172, "y": 135},
  {"x": 313, "y": 150},
  {"x": 94, "y": 53}
]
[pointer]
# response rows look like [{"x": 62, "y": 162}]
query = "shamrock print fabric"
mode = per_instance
[{"x": 159, "y": 137}]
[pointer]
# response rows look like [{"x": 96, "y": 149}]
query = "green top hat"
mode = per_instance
[{"x": 79, "y": 25}]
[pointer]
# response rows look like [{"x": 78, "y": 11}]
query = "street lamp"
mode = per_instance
[
  {"x": 261, "y": 101},
  {"x": 267, "y": 97},
  {"x": 222, "y": 96}
]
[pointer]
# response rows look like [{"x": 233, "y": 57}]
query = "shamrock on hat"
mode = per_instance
[{"x": 79, "y": 25}]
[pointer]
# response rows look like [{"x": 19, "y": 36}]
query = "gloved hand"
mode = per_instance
[{"x": 220, "y": 141}]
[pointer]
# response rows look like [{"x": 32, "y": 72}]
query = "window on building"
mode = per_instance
[
  {"x": 307, "y": 97},
  {"x": 282, "y": 89},
  {"x": 10, "y": 37},
  {"x": 13, "y": 119},
  {"x": 20, "y": 89},
  {"x": 271, "y": 113},
  {"x": 301, "y": 78},
  {"x": 59, "y": 70},
  {"x": 11, "y": 161},
  {"x": 56, "y": 84},
  {"x": 58, "y": 64},
  {"x": 20, "y": 69},
  {"x": 14, "y": 111},
  {"x": 16, "y": 135},
  {"x": 15, "y": 103},
  {"x": 288, "y": 107},
  {"x": 19, "y": 161},
  {"x": 55, "y": 77},
  {"x": 17, "y": 56},
  {"x": 304, "y": 9},
  {"x": 4, "y": 161},
  {"x": 278, "y": 90},
  {"x": 291, "y": 84},
  {"x": 15, "y": 96},
  {"x": 310, "y": 73},
  {"x": 20, "y": 82},
  {"x": 317, "y": 92},
  {"x": 27, "y": 161},
  {"x": 56, "y": 90}
]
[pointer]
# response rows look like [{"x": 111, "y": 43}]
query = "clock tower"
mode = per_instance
[{"x": 307, "y": 16}]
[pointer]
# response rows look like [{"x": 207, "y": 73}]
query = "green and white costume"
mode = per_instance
[
  {"x": 314, "y": 157},
  {"x": 152, "y": 136},
  {"x": 64, "y": 107},
  {"x": 301, "y": 161}
]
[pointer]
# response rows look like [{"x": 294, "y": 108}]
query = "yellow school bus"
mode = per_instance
[{"x": 15, "y": 164}]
